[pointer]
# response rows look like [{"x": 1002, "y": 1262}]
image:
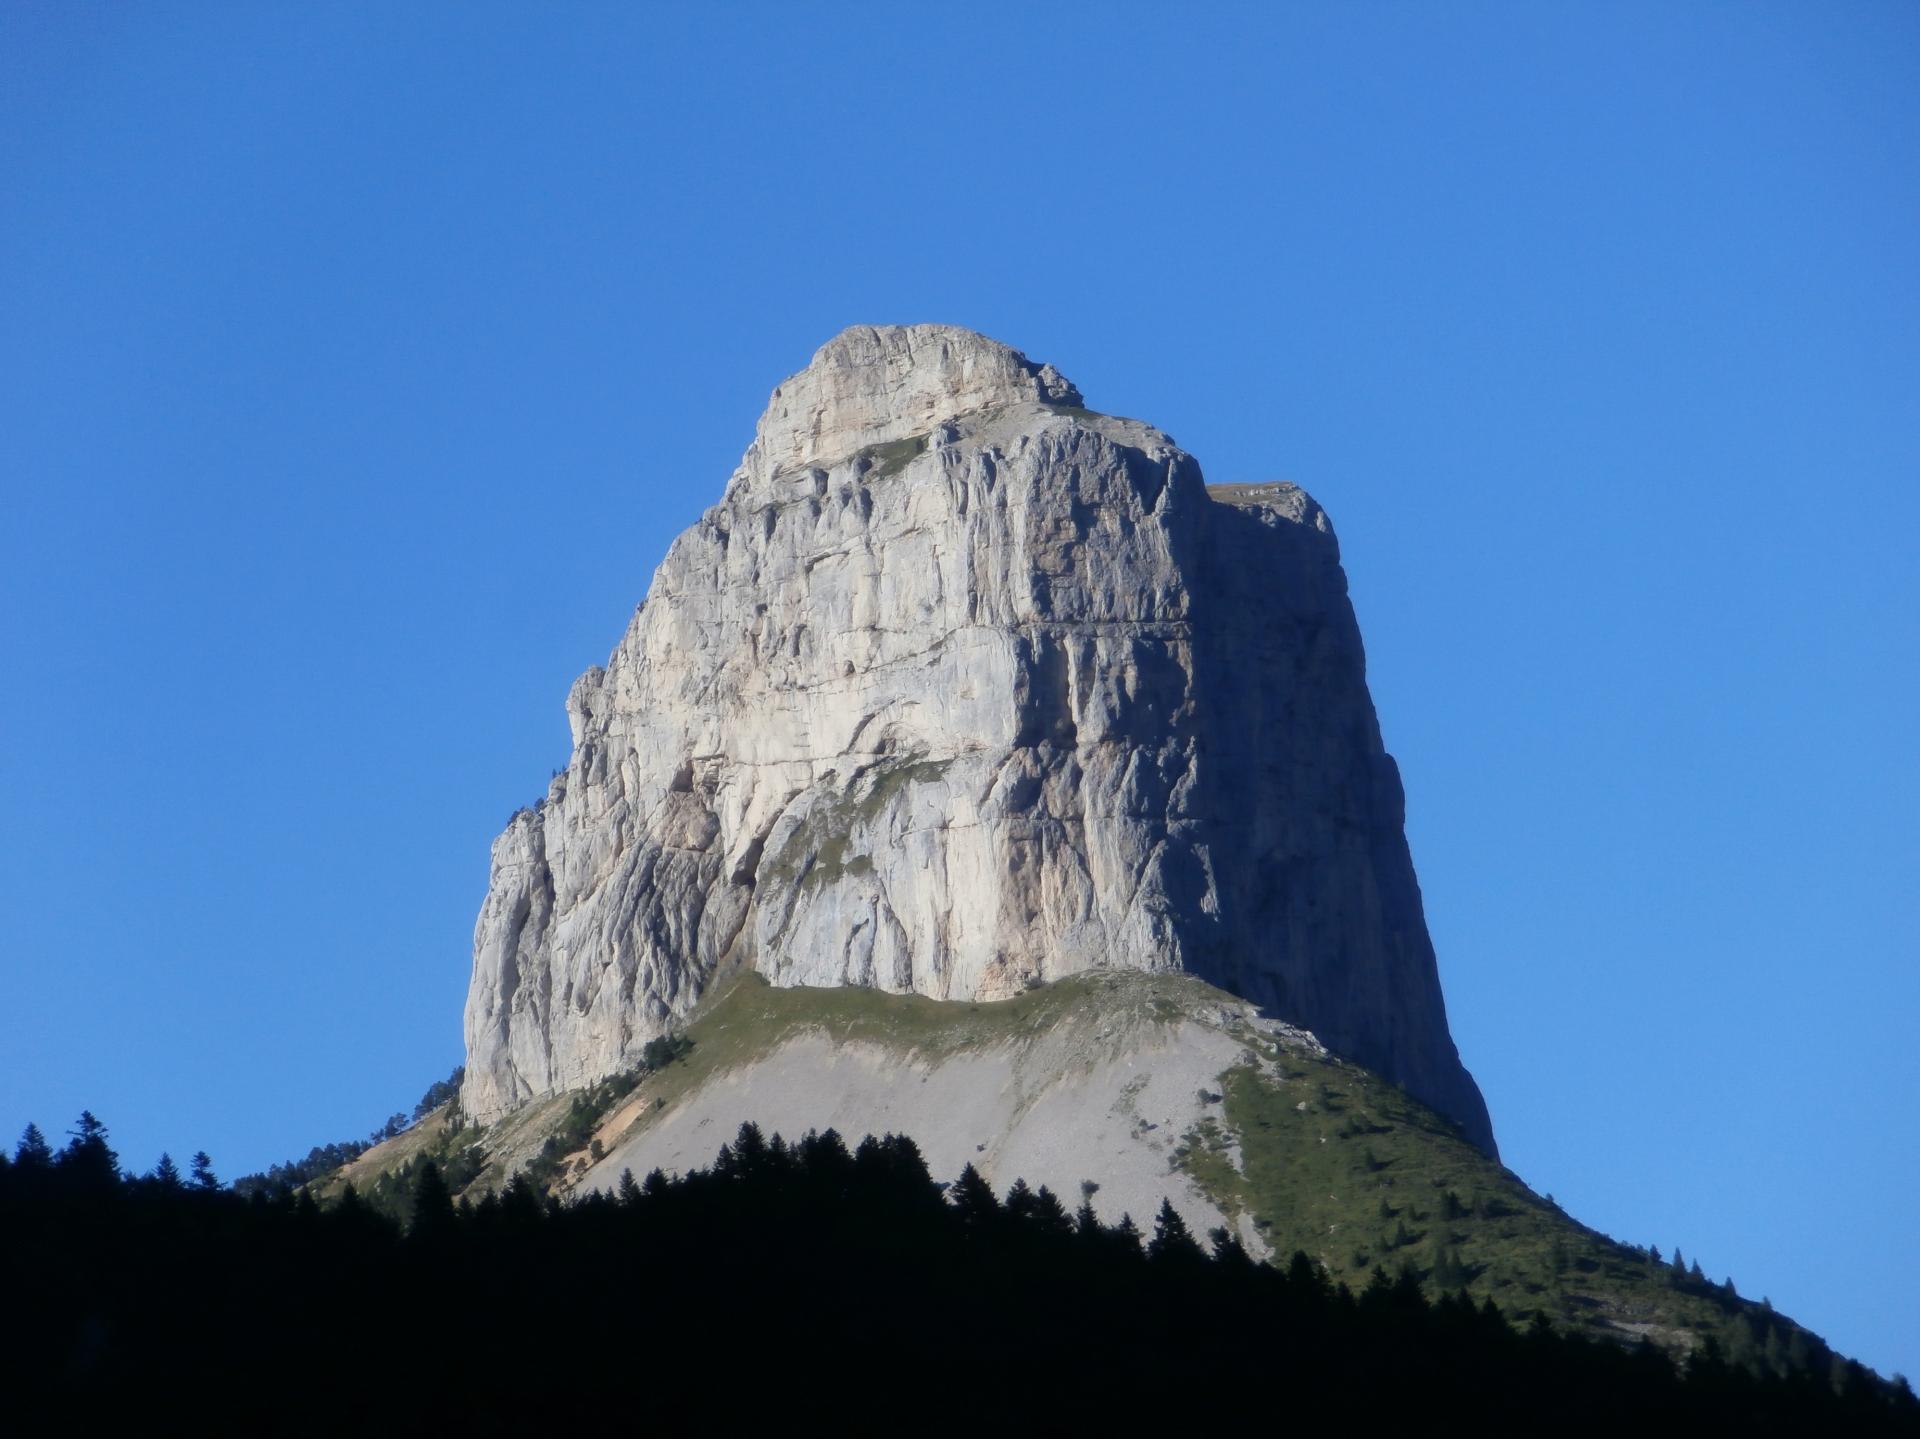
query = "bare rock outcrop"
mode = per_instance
[{"x": 963, "y": 687}]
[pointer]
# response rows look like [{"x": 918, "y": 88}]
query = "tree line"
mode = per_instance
[
  {"x": 323, "y": 1159},
  {"x": 806, "y": 1281}
]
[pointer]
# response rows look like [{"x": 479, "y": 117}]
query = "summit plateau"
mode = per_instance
[{"x": 961, "y": 688}]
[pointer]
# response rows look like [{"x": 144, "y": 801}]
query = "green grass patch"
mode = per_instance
[
  {"x": 892, "y": 457},
  {"x": 1340, "y": 1163}
]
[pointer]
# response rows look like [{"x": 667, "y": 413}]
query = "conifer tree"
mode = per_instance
[
  {"x": 166, "y": 1173},
  {"x": 521, "y": 1201},
  {"x": 825, "y": 1152},
  {"x": 907, "y": 1156},
  {"x": 629, "y": 1189},
  {"x": 87, "y": 1153},
  {"x": 1304, "y": 1275},
  {"x": 973, "y": 1197},
  {"x": 432, "y": 1204},
  {"x": 1228, "y": 1252},
  {"x": 203, "y": 1178},
  {"x": 1049, "y": 1214},
  {"x": 1019, "y": 1202},
  {"x": 33, "y": 1151},
  {"x": 1172, "y": 1241},
  {"x": 1379, "y": 1288},
  {"x": 750, "y": 1149}
]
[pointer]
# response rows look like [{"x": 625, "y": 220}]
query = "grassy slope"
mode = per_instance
[
  {"x": 1329, "y": 1158},
  {"x": 1324, "y": 1156}
]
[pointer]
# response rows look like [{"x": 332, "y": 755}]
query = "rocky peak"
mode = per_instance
[
  {"x": 876, "y": 384},
  {"x": 962, "y": 688}
]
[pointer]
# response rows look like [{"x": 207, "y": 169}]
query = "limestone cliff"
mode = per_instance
[{"x": 963, "y": 687}]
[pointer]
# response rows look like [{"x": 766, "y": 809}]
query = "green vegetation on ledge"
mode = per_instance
[
  {"x": 892, "y": 457},
  {"x": 1329, "y": 1158}
]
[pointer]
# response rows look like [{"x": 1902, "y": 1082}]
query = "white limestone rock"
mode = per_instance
[
  {"x": 1113, "y": 1090},
  {"x": 959, "y": 687}
]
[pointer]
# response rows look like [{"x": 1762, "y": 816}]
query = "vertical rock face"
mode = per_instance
[{"x": 962, "y": 687}]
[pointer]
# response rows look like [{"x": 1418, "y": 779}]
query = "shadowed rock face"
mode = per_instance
[{"x": 962, "y": 687}]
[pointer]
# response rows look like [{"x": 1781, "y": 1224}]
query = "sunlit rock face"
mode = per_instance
[{"x": 959, "y": 688}]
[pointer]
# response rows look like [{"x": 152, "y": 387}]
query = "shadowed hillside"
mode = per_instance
[
  {"x": 782, "y": 1280},
  {"x": 1263, "y": 1133}
]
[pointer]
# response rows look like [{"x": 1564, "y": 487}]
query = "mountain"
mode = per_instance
[
  {"x": 963, "y": 688},
  {"x": 974, "y": 772}
]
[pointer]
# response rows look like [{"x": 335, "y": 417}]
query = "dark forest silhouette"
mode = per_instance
[{"x": 803, "y": 1280}]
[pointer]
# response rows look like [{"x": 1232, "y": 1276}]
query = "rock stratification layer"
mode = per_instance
[{"x": 960, "y": 688}]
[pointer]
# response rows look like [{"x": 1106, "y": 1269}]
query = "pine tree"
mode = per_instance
[
  {"x": 973, "y": 1197},
  {"x": 87, "y": 1153},
  {"x": 750, "y": 1149},
  {"x": 33, "y": 1152},
  {"x": 432, "y": 1204},
  {"x": 1049, "y": 1214},
  {"x": 629, "y": 1189},
  {"x": 1228, "y": 1251},
  {"x": 1019, "y": 1202},
  {"x": 520, "y": 1203},
  {"x": 1172, "y": 1241},
  {"x": 166, "y": 1173},
  {"x": 1304, "y": 1275},
  {"x": 203, "y": 1177},
  {"x": 1379, "y": 1287},
  {"x": 824, "y": 1152}
]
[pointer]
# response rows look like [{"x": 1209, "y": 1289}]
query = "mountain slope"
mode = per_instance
[{"x": 1148, "y": 1086}]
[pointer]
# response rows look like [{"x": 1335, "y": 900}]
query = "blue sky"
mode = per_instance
[{"x": 357, "y": 364}]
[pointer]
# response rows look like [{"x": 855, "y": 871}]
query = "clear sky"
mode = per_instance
[{"x": 357, "y": 364}]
